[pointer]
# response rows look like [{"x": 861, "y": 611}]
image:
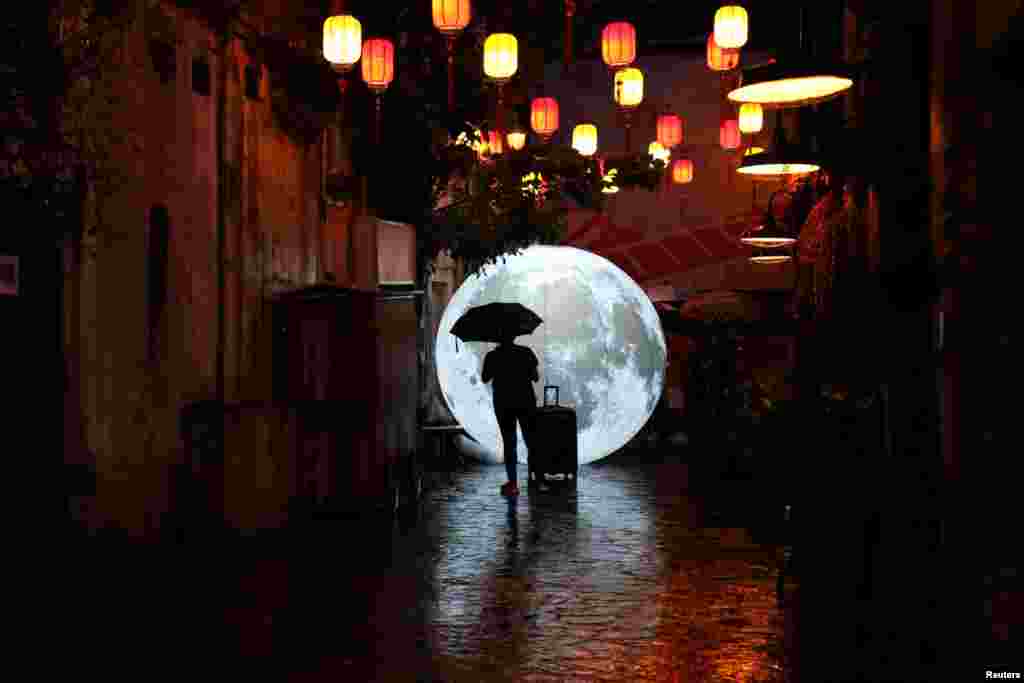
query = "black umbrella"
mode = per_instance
[{"x": 491, "y": 322}]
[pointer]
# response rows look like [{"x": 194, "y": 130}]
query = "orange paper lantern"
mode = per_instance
[
  {"x": 618, "y": 44},
  {"x": 516, "y": 139},
  {"x": 670, "y": 130},
  {"x": 451, "y": 16},
  {"x": 682, "y": 171},
  {"x": 544, "y": 116},
  {"x": 378, "y": 63},
  {"x": 729, "y": 134},
  {"x": 721, "y": 58}
]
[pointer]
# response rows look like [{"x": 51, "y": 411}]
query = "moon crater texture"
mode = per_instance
[{"x": 601, "y": 343}]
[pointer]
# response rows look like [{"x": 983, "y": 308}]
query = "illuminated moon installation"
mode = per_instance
[{"x": 601, "y": 343}]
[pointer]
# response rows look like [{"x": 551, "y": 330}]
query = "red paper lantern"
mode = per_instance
[
  {"x": 544, "y": 116},
  {"x": 670, "y": 130},
  {"x": 721, "y": 58},
  {"x": 618, "y": 44},
  {"x": 378, "y": 63},
  {"x": 494, "y": 141},
  {"x": 729, "y": 134},
  {"x": 682, "y": 171}
]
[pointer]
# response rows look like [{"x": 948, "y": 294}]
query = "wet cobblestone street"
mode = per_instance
[{"x": 622, "y": 580}]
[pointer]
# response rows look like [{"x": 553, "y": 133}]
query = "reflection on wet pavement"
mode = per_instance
[{"x": 618, "y": 581}]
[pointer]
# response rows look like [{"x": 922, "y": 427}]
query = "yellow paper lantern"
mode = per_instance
[
  {"x": 751, "y": 117},
  {"x": 378, "y": 63},
  {"x": 584, "y": 139},
  {"x": 731, "y": 26},
  {"x": 516, "y": 139},
  {"x": 501, "y": 56},
  {"x": 629, "y": 87},
  {"x": 451, "y": 16},
  {"x": 343, "y": 42}
]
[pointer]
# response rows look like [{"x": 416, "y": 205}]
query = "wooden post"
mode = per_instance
[{"x": 222, "y": 84}]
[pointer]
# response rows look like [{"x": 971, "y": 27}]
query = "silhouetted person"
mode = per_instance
[{"x": 513, "y": 369}]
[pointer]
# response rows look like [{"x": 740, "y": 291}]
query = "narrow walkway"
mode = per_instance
[{"x": 622, "y": 580}]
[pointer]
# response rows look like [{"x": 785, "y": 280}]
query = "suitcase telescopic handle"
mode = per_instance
[{"x": 550, "y": 390}]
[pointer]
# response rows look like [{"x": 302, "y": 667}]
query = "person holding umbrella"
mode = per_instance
[
  {"x": 513, "y": 369},
  {"x": 510, "y": 368}
]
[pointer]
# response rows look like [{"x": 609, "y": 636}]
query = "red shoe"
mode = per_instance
[{"x": 509, "y": 489}]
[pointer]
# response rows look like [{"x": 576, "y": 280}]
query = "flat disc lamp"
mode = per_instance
[
  {"x": 782, "y": 159},
  {"x": 769, "y": 235},
  {"x": 767, "y": 257},
  {"x": 772, "y": 164},
  {"x": 794, "y": 80}
]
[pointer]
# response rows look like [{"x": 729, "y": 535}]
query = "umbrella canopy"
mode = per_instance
[{"x": 491, "y": 322}]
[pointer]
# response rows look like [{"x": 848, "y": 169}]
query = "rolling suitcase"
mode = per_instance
[{"x": 553, "y": 456}]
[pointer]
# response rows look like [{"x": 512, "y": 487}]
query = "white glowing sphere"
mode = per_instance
[{"x": 601, "y": 343}]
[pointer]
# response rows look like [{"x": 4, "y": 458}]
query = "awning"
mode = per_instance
[{"x": 651, "y": 256}]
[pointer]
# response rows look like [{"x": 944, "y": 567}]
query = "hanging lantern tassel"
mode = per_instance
[
  {"x": 378, "y": 72},
  {"x": 501, "y": 61},
  {"x": 500, "y": 113},
  {"x": 570, "y": 12},
  {"x": 628, "y": 123},
  {"x": 377, "y": 120},
  {"x": 450, "y": 18},
  {"x": 450, "y": 40}
]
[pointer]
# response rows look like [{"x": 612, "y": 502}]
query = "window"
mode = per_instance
[
  {"x": 253, "y": 77},
  {"x": 200, "y": 76},
  {"x": 163, "y": 56}
]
